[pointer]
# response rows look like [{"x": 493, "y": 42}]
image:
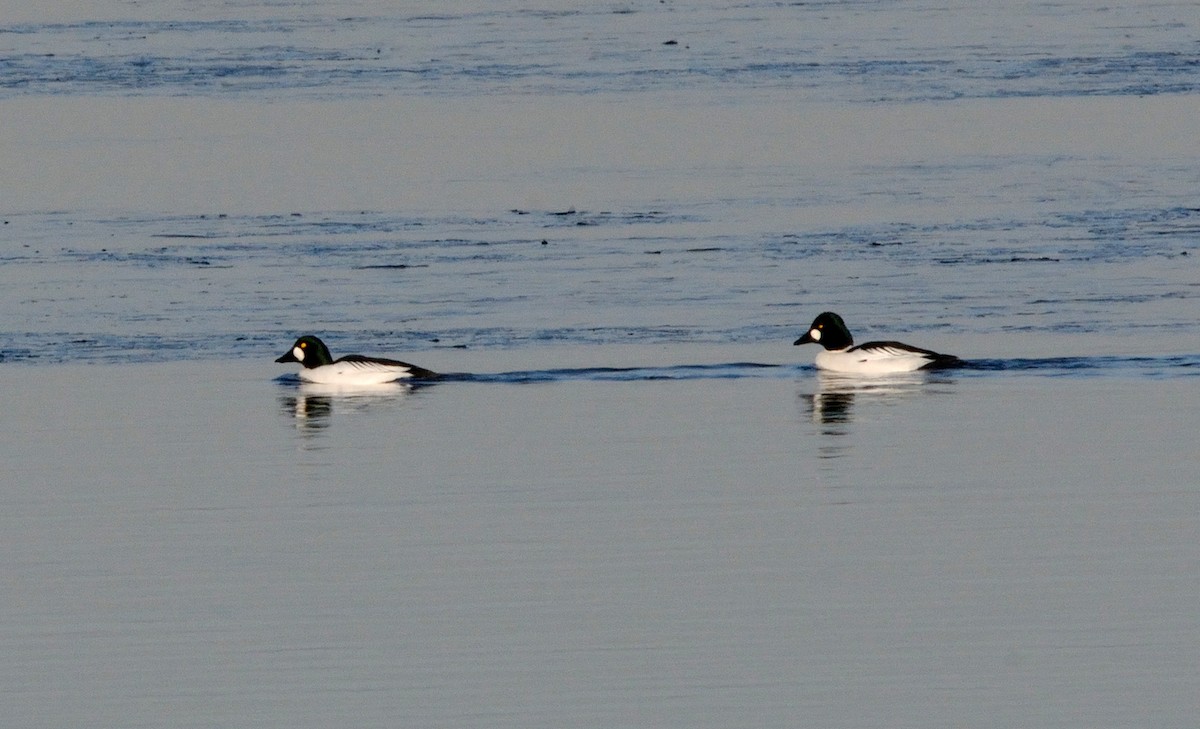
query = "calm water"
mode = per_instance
[
  {"x": 638, "y": 505},
  {"x": 191, "y": 545}
]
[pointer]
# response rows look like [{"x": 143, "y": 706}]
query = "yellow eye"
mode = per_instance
[{"x": 303, "y": 345}]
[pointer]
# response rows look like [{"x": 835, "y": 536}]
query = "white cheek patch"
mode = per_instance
[
  {"x": 298, "y": 354},
  {"x": 815, "y": 335}
]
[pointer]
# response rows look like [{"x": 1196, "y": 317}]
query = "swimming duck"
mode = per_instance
[
  {"x": 319, "y": 367},
  {"x": 840, "y": 354}
]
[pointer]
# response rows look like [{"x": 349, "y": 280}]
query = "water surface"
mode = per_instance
[
  {"x": 756, "y": 551},
  {"x": 634, "y": 502}
]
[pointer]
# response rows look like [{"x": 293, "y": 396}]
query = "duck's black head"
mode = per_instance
[
  {"x": 308, "y": 351},
  {"x": 829, "y": 331}
]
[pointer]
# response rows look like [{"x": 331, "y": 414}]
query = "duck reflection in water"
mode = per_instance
[
  {"x": 312, "y": 405},
  {"x": 833, "y": 403}
]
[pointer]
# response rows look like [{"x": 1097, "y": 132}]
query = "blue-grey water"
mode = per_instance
[{"x": 632, "y": 502}]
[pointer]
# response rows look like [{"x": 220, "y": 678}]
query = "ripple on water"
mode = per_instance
[
  {"x": 149, "y": 288},
  {"x": 824, "y": 51}
]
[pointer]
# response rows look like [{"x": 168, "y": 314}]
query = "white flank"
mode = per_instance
[
  {"x": 876, "y": 361},
  {"x": 354, "y": 373}
]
